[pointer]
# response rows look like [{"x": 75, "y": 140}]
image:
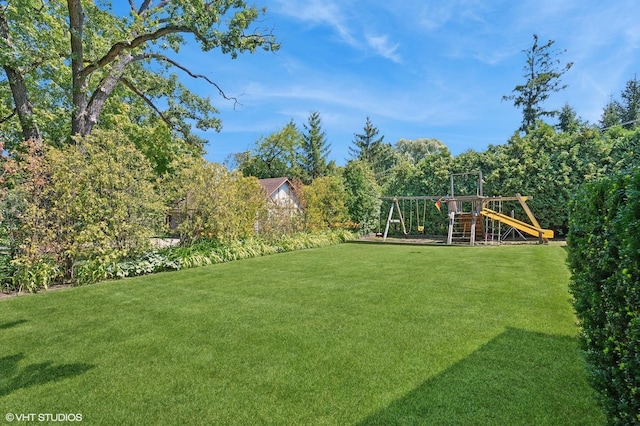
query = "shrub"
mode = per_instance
[
  {"x": 604, "y": 258},
  {"x": 211, "y": 202},
  {"x": 325, "y": 206},
  {"x": 73, "y": 207}
]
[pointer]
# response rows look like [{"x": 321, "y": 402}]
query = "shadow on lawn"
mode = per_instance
[
  {"x": 12, "y": 324},
  {"x": 13, "y": 377},
  {"x": 520, "y": 377}
]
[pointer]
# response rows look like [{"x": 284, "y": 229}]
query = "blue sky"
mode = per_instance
[{"x": 417, "y": 68}]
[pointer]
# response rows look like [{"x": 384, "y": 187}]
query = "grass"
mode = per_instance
[{"x": 350, "y": 334}]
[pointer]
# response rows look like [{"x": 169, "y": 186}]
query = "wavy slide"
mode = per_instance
[{"x": 518, "y": 224}]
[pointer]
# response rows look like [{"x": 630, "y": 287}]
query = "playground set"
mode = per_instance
[{"x": 472, "y": 218}]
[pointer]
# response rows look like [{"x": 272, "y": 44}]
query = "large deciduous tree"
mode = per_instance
[
  {"x": 75, "y": 57},
  {"x": 542, "y": 72},
  {"x": 275, "y": 155}
]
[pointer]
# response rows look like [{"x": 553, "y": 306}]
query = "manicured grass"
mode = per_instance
[{"x": 349, "y": 334}]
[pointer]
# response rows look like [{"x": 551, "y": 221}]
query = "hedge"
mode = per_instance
[{"x": 604, "y": 259}]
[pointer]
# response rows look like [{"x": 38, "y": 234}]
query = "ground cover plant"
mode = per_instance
[{"x": 348, "y": 334}]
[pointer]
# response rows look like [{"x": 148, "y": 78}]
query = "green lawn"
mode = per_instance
[{"x": 349, "y": 334}]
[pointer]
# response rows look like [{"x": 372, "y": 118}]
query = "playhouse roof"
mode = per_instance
[{"x": 272, "y": 184}]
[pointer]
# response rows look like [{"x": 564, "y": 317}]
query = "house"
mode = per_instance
[{"x": 280, "y": 194}]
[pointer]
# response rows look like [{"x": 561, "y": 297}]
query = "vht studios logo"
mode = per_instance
[{"x": 43, "y": 417}]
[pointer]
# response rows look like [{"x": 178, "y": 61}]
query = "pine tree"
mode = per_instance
[
  {"x": 366, "y": 146},
  {"x": 543, "y": 74},
  {"x": 315, "y": 149},
  {"x": 630, "y": 104}
]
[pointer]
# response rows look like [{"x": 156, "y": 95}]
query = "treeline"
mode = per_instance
[
  {"x": 74, "y": 213},
  {"x": 547, "y": 162}
]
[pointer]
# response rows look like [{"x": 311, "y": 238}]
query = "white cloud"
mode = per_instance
[
  {"x": 384, "y": 48},
  {"x": 319, "y": 12},
  {"x": 353, "y": 25}
]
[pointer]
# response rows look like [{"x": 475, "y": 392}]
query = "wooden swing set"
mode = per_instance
[
  {"x": 470, "y": 217},
  {"x": 397, "y": 213}
]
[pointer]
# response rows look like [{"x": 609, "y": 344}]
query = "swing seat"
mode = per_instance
[{"x": 420, "y": 228}]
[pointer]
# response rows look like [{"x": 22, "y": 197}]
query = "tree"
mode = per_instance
[
  {"x": 92, "y": 200},
  {"x": 416, "y": 149},
  {"x": 366, "y": 146},
  {"x": 210, "y": 202},
  {"x": 315, "y": 150},
  {"x": 372, "y": 150},
  {"x": 611, "y": 114},
  {"x": 110, "y": 55},
  {"x": 630, "y": 104},
  {"x": 362, "y": 195},
  {"x": 568, "y": 120},
  {"x": 276, "y": 155},
  {"x": 626, "y": 111},
  {"x": 325, "y": 203},
  {"x": 542, "y": 72}
]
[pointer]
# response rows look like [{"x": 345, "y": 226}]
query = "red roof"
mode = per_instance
[{"x": 272, "y": 184}]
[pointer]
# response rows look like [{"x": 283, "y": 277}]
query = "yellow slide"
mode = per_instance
[{"x": 518, "y": 224}]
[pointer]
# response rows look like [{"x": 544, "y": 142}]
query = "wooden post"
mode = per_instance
[
  {"x": 472, "y": 237},
  {"x": 386, "y": 228},
  {"x": 531, "y": 217},
  {"x": 452, "y": 216},
  {"x": 404, "y": 228}
]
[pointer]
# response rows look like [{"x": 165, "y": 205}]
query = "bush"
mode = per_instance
[
  {"x": 72, "y": 207},
  {"x": 604, "y": 258},
  {"x": 210, "y": 202},
  {"x": 202, "y": 253}
]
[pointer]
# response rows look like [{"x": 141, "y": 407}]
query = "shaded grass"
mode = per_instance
[{"x": 340, "y": 335}]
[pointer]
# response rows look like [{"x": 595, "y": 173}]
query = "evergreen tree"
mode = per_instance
[
  {"x": 315, "y": 149},
  {"x": 366, "y": 146},
  {"x": 568, "y": 120},
  {"x": 371, "y": 149},
  {"x": 630, "y": 104},
  {"x": 542, "y": 72},
  {"x": 610, "y": 115}
]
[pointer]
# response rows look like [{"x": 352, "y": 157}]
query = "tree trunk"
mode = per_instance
[
  {"x": 19, "y": 92},
  {"x": 79, "y": 83}
]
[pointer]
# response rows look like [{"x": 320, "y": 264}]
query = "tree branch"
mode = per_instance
[
  {"x": 121, "y": 46},
  {"x": 148, "y": 101},
  {"x": 176, "y": 64},
  {"x": 9, "y": 117}
]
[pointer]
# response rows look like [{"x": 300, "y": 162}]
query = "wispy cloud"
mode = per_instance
[
  {"x": 319, "y": 12},
  {"x": 384, "y": 48},
  {"x": 346, "y": 20}
]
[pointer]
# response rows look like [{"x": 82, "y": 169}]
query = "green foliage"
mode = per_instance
[
  {"x": 315, "y": 150},
  {"x": 604, "y": 258},
  {"x": 325, "y": 204},
  {"x": 203, "y": 253},
  {"x": 79, "y": 64},
  {"x": 630, "y": 104},
  {"x": 362, "y": 195},
  {"x": 568, "y": 120},
  {"x": 276, "y": 155},
  {"x": 210, "y": 202},
  {"x": 542, "y": 72},
  {"x": 92, "y": 200},
  {"x": 417, "y": 149},
  {"x": 371, "y": 149},
  {"x": 31, "y": 275}
]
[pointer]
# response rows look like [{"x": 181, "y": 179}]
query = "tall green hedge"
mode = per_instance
[{"x": 604, "y": 258}]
